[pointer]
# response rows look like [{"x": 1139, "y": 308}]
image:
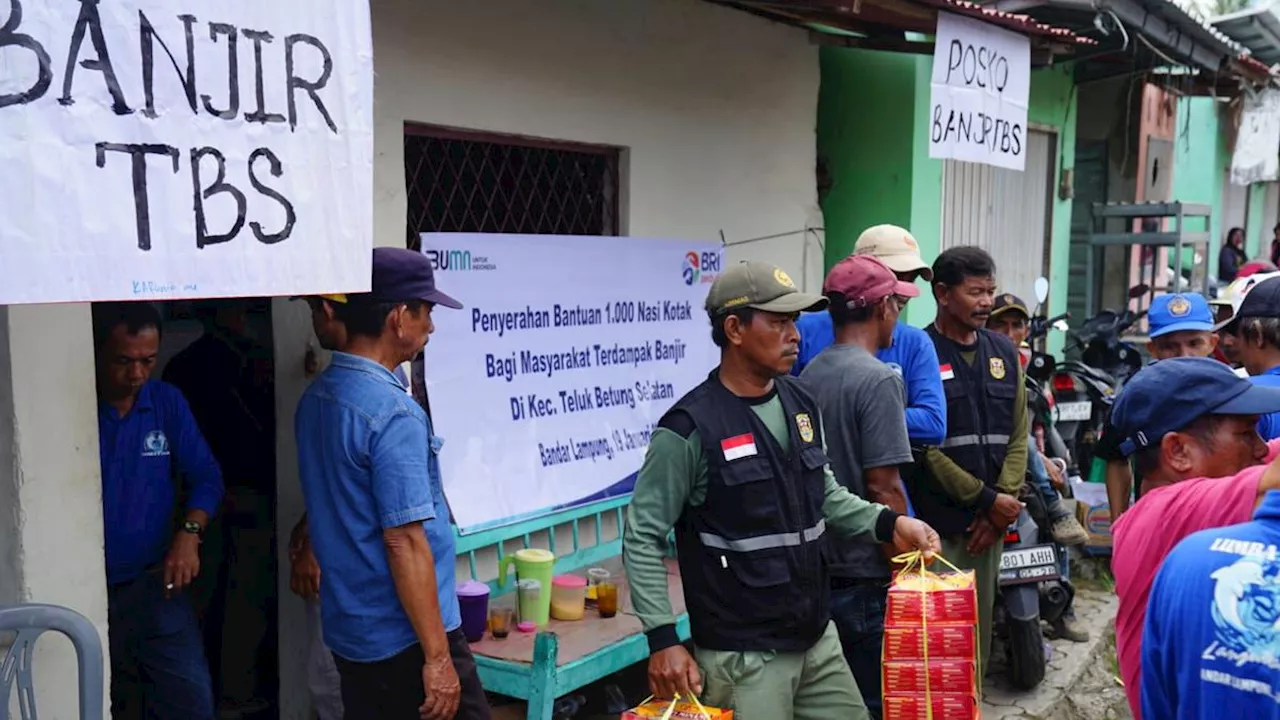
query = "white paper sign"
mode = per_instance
[
  {"x": 158, "y": 149},
  {"x": 547, "y": 385},
  {"x": 1257, "y": 153},
  {"x": 981, "y": 85}
]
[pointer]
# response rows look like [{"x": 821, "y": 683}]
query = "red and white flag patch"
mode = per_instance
[
  {"x": 738, "y": 446},
  {"x": 946, "y": 372}
]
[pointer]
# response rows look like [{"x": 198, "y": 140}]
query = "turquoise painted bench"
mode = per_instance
[{"x": 565, "y": 656}]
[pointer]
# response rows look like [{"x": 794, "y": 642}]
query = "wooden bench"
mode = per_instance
[{"x": 564, "y": 656}]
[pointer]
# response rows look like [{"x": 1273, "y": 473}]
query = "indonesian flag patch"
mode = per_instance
[
  {"x": 946, "y": 371},
  {"x": 738, "y": 446}
]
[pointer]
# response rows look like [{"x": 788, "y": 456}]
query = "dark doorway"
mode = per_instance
[{"x": 219, "y": 353}]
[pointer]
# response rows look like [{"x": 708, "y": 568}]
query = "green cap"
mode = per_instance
[{"x": 761, "y": 286}]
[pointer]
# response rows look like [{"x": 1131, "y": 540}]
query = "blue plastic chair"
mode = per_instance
[{"x": 30, "y": 622}]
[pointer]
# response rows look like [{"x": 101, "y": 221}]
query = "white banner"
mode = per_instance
[
  {"x": 157, "y": 149},
  {"x": 1256, "y": 157},
  {"x": 980, "y": 88},
  {"x": 547, "y": 384}
]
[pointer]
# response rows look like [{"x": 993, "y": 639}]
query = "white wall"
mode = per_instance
[
  {"x": 50, "y": 483},
  {"x": 715, "y": 109}
]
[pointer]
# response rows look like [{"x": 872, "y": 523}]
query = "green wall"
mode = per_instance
[
  {"x": 873, "y": 134},
  {"x": 1200, "y": 157}
]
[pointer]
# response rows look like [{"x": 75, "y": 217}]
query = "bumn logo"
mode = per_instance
[
  {"x": 458, "y": 260},
  {"x": 449, "y": 259}
]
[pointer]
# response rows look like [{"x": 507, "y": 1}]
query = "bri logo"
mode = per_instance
[
  {"x": 691, "y": 268},
  {"x": 700, "y": 267}
]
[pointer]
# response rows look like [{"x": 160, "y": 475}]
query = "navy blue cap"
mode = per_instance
[
  {"x": 1178, "y": 312},
  {"x": 1262, "y": 301},
  {"x": 400, "y": 274},
  {"x": 1168, "y": 395}
]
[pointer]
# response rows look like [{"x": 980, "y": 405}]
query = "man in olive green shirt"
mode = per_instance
[
  {"x": 969, "y": 486},
  {"x": 738, "y": 468}
]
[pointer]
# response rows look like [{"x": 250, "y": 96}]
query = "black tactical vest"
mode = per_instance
[
  {"x": 980, "y": 409},
  {"x": 751, "y": 556}
]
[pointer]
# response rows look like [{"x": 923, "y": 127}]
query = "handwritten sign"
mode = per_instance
[
  {"x": 979, "y": 92},
  {"x": 1256, "y": 157},
  {"x": 159, "y": 149}
]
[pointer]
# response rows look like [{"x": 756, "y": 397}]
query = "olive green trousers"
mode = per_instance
[{"x": 767, "y": 685}]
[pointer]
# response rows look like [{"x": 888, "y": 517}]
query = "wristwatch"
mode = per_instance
[{"x": 193, "y": 528}]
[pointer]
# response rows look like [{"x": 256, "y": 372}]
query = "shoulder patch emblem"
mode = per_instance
[
  {"x": 805, "y": 427},
  {"x": 997, "y": 368}
]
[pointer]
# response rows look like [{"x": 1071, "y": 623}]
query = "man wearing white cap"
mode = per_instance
[{"x": 911, "y": 354}]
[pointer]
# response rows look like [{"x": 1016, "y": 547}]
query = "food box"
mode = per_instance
[
  {"x": 681, "y": 711},
  {"x": 946, "y": 642},
  {"x": 929, "y": 599},
  {"x": 945, "y": 707},
  {"x": 950, "y": 677},
  {"x": 1093, "y": 510}
]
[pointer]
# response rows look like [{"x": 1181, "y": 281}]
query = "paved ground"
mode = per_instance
[
  {"x": 1076, "y": 684},
  {"x": 1079, "y": 685}
]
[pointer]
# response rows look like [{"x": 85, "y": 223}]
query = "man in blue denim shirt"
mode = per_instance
[
  {"x": 147, "y": 436},
  {"x": 376, "y": 512}
]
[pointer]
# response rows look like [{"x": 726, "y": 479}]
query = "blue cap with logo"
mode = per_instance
[
  {"x": 1168, "y": 395},
  {"x": 1177, "y": 312}
]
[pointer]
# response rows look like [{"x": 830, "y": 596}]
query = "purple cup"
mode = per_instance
[{"x": 473, "y": 601}]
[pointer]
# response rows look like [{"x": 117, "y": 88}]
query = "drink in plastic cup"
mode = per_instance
[
  {"x": 500, "y": 622},
  {"x": 607, "y": 599}
]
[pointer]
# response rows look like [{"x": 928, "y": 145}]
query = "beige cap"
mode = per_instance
[{"x": 895, "y": 247}]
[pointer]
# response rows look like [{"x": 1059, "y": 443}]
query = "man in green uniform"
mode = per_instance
[
  {"x": 969, "y": 486},
  {"x": 738, "y": 467}
]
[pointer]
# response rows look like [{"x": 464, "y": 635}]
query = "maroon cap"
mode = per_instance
[{"x": 865, "y": 280}]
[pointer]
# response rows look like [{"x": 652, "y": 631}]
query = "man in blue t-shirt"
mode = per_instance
[
  {"x": 1212, "y": 635},
  {"x": 911, "y": 354},
  {"x": 1256, "y": 331},
  {"x": 148, "y": 439}
]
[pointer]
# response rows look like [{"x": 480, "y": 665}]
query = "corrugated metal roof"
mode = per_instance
[
  {"x": 1024, "y": 24},
  {"x": 1257, "y": 29}
]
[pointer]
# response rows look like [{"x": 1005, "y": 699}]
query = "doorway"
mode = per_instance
[
  {"x": 1005, "y": 212},
  {"x": 219, "y": 355}
]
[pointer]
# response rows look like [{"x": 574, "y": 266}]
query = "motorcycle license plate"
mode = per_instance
[
  {"x": 1028, "y": 565},
  {"x": 1075, "y": 411}
]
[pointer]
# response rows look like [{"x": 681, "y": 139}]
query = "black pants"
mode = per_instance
[{"x": 391, "y": 689}]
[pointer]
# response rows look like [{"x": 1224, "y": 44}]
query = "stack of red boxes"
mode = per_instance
[{"x": 931, "y": 648}]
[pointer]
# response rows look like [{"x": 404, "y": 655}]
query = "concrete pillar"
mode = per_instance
[{"x": 50, "y": 483}]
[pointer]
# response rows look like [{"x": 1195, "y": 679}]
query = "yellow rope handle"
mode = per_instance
[{"x": 675, "y": 700}]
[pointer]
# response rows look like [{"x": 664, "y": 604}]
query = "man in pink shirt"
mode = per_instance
[{"x": 1189, "y": 426}]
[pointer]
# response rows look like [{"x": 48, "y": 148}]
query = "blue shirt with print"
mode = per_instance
[
  {"x": 912, "y": 354},
  {"x": 1268, "y": 425},
  {"x": 1211, "y": 643},
  {"x": 143, "y": 454},
  {"x": 368, "y": 462}
]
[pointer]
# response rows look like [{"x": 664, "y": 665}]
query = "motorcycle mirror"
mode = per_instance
[
  {"x": 1061, "y": 325},
  {"x": 1139, "y": 290},
  {"x": 1042, "y": 289}
]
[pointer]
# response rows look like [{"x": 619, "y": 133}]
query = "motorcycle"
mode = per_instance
[
  {"x": 1031, "y": 590},
  {"x": 1084, "y": 389}
]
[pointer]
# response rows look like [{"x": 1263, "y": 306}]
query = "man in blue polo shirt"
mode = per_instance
[
  {"x": 148, "y": 437},
  {"x": 911, "y": 353},
  {"x": 1256, "y": 333},
  {"x": 1212, "y": 634},
  {"x": 376, "y": 512}
]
